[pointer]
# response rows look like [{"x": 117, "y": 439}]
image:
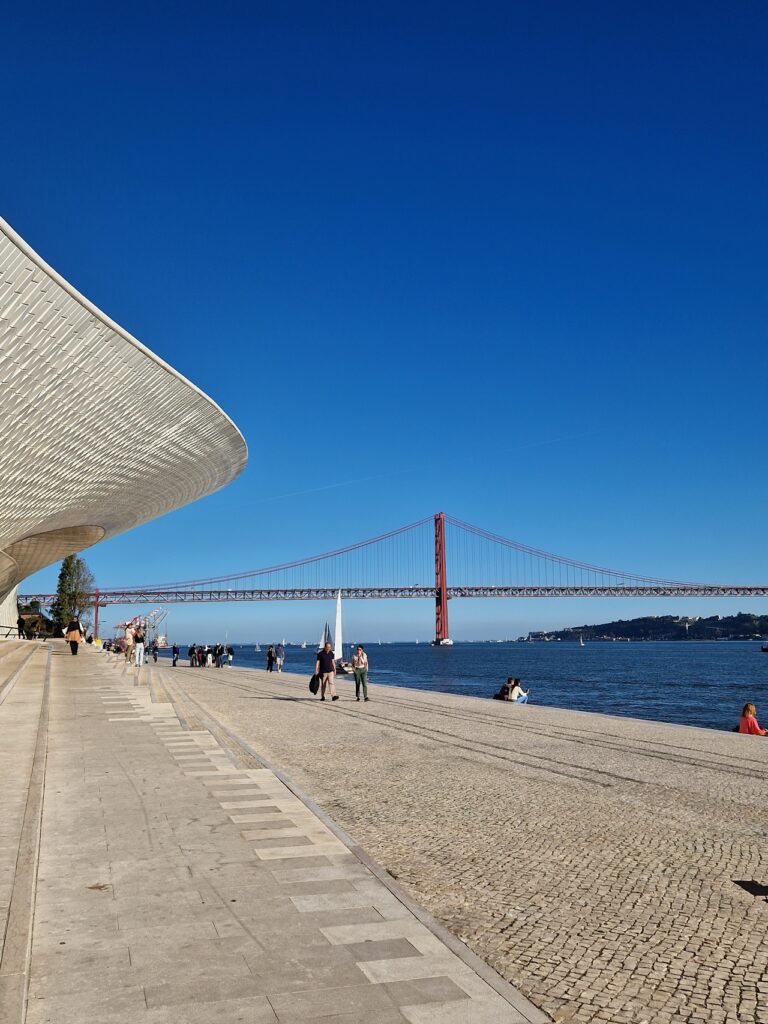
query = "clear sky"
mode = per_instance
[{"x": 502, "y": 260}]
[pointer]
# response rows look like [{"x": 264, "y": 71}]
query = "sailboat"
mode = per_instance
[
  {"x": 342, "y": 666},
  {"x": 581, "y": 640},
  {"x": 257, "y": 648},
  {"x": 303, "y": 645},
  {"x": 325, "y": 637}
]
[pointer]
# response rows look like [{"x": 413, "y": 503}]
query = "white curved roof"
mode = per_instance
[{"x": 98, "y": 433}]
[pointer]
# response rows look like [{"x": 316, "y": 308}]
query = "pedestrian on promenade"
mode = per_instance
[
  {"x": 270, "y": 658},
  {"x": 749, "y": 724},
  {"x": 192, "y": 655},
  {"x": 230, "y": 655},
  {"x": 20, "y": 626},
  {"x": 128, "y": 642},
  {"x": 138, "y": 645},
  {"x": 325, "y": 667},
  {"x": 280, "y": 657},
  {"x": 175, "y": 655},
  {"x": 360, "y": 669},
  {"x": 74, "y": 635},
  {"x": 155, "y": 649}
]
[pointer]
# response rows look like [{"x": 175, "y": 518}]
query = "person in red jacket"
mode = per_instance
[{"x": 748, "y": 722}]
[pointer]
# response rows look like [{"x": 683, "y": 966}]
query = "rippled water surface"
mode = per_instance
[{"x": 690, "y": 683}]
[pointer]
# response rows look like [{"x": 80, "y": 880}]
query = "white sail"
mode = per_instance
[{"x": 338, "y": 651}]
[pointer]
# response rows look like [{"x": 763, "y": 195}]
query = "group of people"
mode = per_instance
[
  {"x": 325, "y": 672},
  {"x": 512, "y": 691},
  {"x": 207, "y": 656},
  {"x": 135, "y": 644},
  {"x": 275, "y": 657}
]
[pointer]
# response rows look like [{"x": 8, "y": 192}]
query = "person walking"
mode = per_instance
[
  {"x": 155, "y": 649},
  {"x": 325, "y": 667},
  {"x": 360, "y": 669},
  {"x": 175, "y": 655},
  {"x": 192, "y": 655},
  {"x": 20, "y": 626},
  {"x": 280, "y": 656},
  {"x": 230, "y": 655},
  {"x": 138, "y": 647},
  {"x": 128, "y": 642},
  {"x": 270, "y": 658},
  {"x": 74, "y": 635}
]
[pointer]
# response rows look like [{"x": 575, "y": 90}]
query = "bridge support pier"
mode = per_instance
[{"x": 441, "y": 582}]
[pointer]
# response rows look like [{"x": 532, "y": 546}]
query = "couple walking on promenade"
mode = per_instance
[{"x": 325, "y": 670}]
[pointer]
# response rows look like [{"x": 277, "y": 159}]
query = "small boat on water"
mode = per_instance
[{"x": 764, "y": 648}]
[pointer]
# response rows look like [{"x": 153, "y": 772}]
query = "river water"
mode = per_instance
[{"x": 690, "y": 683}]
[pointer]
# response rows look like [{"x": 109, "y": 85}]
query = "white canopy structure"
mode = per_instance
[{"x": 99, "y": 434}]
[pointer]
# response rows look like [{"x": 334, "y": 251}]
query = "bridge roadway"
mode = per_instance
[
  {"x": 593, "y": 861},
  {"x": 211, "y": 595}
]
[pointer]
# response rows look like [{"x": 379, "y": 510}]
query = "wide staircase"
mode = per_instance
[{"x": 23, "y": 684}]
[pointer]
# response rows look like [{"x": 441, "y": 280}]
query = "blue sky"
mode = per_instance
[{"x": 507, "y": 261}]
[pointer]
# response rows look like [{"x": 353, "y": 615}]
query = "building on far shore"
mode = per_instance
[{"x": 99, "y": 434}]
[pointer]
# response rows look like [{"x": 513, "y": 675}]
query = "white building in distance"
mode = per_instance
[{"x": 99, "y": 434}]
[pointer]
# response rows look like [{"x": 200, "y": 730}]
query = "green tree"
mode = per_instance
[{"x": 73, "y": 592}]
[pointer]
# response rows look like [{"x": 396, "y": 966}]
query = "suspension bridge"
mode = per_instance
[{"x": 412, "y": 562}]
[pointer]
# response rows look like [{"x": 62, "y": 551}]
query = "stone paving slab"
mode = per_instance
[{"x": 157, "y": 903}]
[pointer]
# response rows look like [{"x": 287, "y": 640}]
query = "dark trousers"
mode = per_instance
[
  {"x": 73, "y": 646},
  {"x": 361, "y": 679}
]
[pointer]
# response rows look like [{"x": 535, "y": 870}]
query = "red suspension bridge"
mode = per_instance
[{"x": 412, "y": 562}]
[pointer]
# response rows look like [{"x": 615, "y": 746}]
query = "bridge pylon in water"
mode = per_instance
[{"x": 441, "y": 582}]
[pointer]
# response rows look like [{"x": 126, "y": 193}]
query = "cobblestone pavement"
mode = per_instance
[{"x": 591, "y": 860}]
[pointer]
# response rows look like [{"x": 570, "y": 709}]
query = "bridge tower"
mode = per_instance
[{"x": 441, "y": 582}]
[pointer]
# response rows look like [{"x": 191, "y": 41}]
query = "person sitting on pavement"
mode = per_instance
[
  {"x": 748, "y": 722},
  {"x": 516, "y": 693}
]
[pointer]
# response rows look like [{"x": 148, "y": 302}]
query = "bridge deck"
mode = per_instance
[{"x": 591, "y": 860}]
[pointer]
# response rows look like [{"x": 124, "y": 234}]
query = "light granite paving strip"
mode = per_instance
[{"x": 155, "y": 904}]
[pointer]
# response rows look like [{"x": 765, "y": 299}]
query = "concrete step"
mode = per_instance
[{"x": 22, "y": 766}]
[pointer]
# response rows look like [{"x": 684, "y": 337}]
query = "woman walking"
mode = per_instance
[
  {"x": 360, "y": 669},
  {"x": 74, "y": 635},
  {"x": 270, "y": 658},
  {"x": 138, "y": 647}
]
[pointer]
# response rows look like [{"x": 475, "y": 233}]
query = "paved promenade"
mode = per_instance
[
  {"x": 592, "y": 861},
  {"x": 150, "y": 874}
]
